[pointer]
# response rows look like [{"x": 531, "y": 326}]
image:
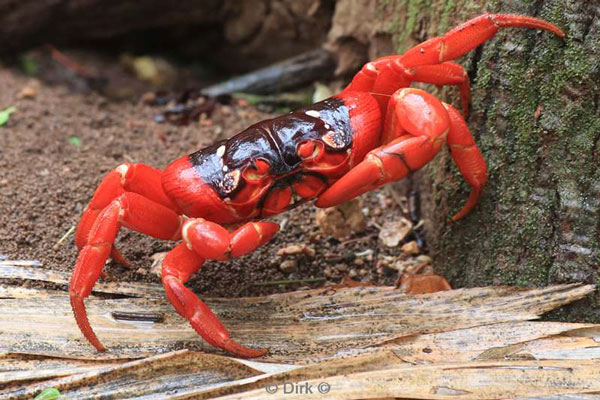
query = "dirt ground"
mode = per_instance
[{"x": 59, "y": 144}]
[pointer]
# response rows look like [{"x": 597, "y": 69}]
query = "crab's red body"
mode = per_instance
[
  {"x": 265, "y": 169},
  {"x": 374, "y": 132}
]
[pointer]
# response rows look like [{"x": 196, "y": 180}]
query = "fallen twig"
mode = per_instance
[{"x": 63, "y": 238}]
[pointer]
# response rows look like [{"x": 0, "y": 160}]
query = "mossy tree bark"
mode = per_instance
[{"x": 535, "y": 116}]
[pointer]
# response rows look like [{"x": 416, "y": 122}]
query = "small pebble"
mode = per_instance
[
  {"x": 288, "y": 266},
  {"x": 385, "y": 260},
  {"x": 400, "y": 266},
  {"x": 359, "y": 261},
  {"x": 411, "y": 248},
  {"x": 341, "y": 267},
  {"x": 352, "y": 273},
  {"x": 297, "y": 249}
]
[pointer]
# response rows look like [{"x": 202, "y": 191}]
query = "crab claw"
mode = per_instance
[{"x": 363, "y": 178}]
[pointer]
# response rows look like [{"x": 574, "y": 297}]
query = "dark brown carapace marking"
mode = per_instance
[{"x": 274, "y": 141}]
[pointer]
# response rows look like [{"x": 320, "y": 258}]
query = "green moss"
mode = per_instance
[
  {"x": 449, "y": 9},
  {"x": 415, "y": 8}
]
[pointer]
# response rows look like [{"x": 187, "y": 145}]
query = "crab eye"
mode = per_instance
[
  {"x": 261, "y": 166},
  {"x": 306, "y": 149},
  {"x": 257, "y": 171},
  {"x": 309, "y": 149}
]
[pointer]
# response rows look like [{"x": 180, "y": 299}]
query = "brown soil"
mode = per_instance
[{"x": 46, "y": 180}]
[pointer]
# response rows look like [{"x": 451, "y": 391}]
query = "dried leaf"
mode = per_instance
[
  {"x": 460, "y": 346},
  {"x": 341, "y": 221},
  {"x": 21, "y": 368},
  {"x": 482, "y": 342},
  {"x": 394, "y": 231}
]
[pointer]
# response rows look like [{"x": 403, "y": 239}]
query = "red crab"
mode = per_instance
[{"x": 214, "y": 201}]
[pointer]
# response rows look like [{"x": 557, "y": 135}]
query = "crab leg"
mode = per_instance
[
  {"x": 446, "y": 73},
  {"x": 468, "y": 36},
  {"x": 467, "y": 157},
  {"x": 207, "y": 240},
  {"x": 137, "y": 178},
  {"x": 133, "y": 211},
  {"x": 415, "y": 126},
  {"x": 385, "y": 75},
  {"x": 178, "y": 265}
]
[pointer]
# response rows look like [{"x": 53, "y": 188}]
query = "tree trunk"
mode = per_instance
[{"x": 535, "y": 116}]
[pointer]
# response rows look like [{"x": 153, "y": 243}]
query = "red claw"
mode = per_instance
[{"x": 360, "y": 179}]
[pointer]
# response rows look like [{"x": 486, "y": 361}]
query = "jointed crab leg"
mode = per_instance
[
  {"x": 133, "y": 211},
  {"x": 467, "y": 37},
  {"x": 415, "y": 128},
  {"x": 178, "y": 266},
  {"x": 387, "y": 74},
  {"x": 467, "y": 157},
  {"x": 136, "y": 178},
  {"x": 207, "y": 240},
  {"x": 446, "y": 73}
]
